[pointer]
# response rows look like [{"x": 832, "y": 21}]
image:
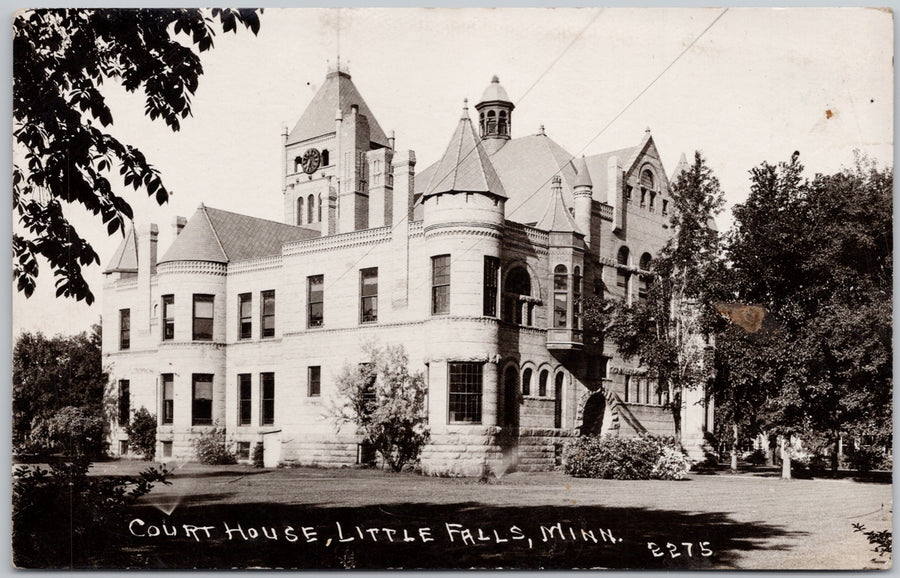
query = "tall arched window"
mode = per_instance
[
  {"x": 644, "y": 279},
  {"x": 526, "y": 382},
  {"x": 325, "y": 162},
  {"x": 511, "y": 397},
  {"x": 310, "y": 209},
  {"x": 300, "y": 211},
  {"x": 518, "y": 285},
  {"x": 298, "y": 164},
  {"x": 646, "y": 260},
  {"x": 320, "y": 207},
  {"x": 576, "y": 297},
  {"x": 647, "y": 179},
  {"x": 503, "y": 128},
  {"x": 560, "y": 296},
  {"x": 558, "y": 400},
  {"x": 491, "y": 122},
  {"x": 622, "y": 274},
  {"x": 542, "y": 383}
]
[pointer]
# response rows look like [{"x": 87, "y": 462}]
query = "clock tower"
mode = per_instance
[{"x": 326, "y": 159}]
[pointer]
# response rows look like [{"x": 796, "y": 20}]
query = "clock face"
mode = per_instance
[{"x": 311, "y": 160}]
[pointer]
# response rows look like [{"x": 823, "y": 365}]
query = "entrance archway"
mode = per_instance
[{"x": 592, "y": 416}]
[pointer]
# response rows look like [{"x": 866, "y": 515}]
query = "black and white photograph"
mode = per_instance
[{"x": 452, "y": 288}]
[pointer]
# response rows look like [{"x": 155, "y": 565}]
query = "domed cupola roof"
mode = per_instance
[{"x": 495, "y": 92}]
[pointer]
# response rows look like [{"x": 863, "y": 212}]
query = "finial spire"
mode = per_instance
[{"x": 465, "y": 110}]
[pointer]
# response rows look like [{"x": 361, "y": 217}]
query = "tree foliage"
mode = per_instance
[
  {"x": 53, "y": 373},
  {"x": 816, "y": 255},
  {"x": 141, "y": 430},
  {"x": 387, "y": 404},
  {"x": 665, "y": 331},
  {"x": 64, "y": 156}
]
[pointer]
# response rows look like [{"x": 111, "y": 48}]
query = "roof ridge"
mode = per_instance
[
  {"x": 252, "y": 217},
  {"x": 214, "y": 232}
]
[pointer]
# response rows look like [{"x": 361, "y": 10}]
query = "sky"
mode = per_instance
[{"x": 743, "y": 86}]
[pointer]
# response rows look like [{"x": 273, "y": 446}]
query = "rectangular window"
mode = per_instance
[
  {"x": 168, "y": 399},
  {"x": 440, "y": 285},
  {"x": 603, "y": 368},
  {"x": 491, "y": 273},
  {"x": 244, "y": 395},
  {"x": 202, "y": 397},
  {"x": 203, "y": 317},
  {"x": 622, "y": 278},
  {"x": 124, "y": 328},
  {"x": 124, "y": 402},
  {"x": 316, "y": 300},
  {"x": 123, "y": 447},
  {"x": 368, "y": 295},
  {"x": 642, "y": 288},
  {"x": 560, "y": 297},
  {"x": 627, "y": 387},
  {"x": 267, "y": 314},
  {"x": 315, "y": 381},
  {"x": 665, "y": 208},
  {"x": 245, "y": 313},
  {"x": 243, "y": 450},
  {"x": 168, "y": 313},
  {"x": 465, "y": 392},
  {"x": 167, "y": 449},
  {"x": 267, "y": 398}
]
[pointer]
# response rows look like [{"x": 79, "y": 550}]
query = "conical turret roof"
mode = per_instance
[
  {"x": 582, "y": 176},
  {"x": 557, "y": 217},
  {"x": 124, "y": 260},
  {"x": 682, "y": 166},
  {"x": 465, "y": 166}
]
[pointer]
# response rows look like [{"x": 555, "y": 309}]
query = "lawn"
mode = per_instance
[{"x": 316, "y": 518}]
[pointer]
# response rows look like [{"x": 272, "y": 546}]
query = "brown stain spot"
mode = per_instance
[
  {"x": 829, "y": 113},
  {"x": 749, "y": 317}
]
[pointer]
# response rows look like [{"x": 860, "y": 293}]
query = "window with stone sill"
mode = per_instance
[{"x": 465, "y": 392}]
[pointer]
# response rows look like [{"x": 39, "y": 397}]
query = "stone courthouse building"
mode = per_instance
[{"x": 475, "y": 264}]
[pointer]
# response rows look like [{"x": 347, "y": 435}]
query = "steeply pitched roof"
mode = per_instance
[
  {"x": 583, "y": 175},
  {"x": 556, "y": 217},
  {"x": 221, "y": 236},
  {"x": 598, "y": 166},
  {"x": 526, "y": 166},
  {"x": 465, "y": 165},
  {"x": 682, "y": 166},
  {"x": 124, "y": 260},
  {"x": 338, "y": 92}
]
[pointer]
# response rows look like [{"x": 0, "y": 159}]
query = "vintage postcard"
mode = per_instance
[{"x": 383, "y": 288}]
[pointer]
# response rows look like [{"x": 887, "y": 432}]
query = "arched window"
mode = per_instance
[
  {"x": 511, "y": 397},
  {"x": 503, "y": 128},
  {"x": 311, "y": 207},
  {"x": 526, "y": 382},
  {"x": 646, "y": 259},
  {"x": 298, "y": 164},
  {"x": 558, "y": 400},
  {"x": 576, "y": 296},
  {"x": 320, "y": 207},
  {"x": 300, "y": 211},
  {"x": 542, "y": 383},
  {"x": 325, "y": 162},
  {"x": 491, "y": 122},
  {"x": 647, "y": 179},
  {"x": 518, "y": 285},
  {"x": 560, "y": 296},
  {"x": 622, "y": 257}
]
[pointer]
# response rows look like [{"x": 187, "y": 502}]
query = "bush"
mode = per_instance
[
  {"x": 74, "y": 431},
  {"x": 867, "y": 458},
  {"x": 258, "y": 457},
  {"x": 212, "y": 449},
  {"x": 622, "y": 458},
  {"x": 141, "y": 430},
  {"x": 62, "y": 517},
  {"x": 757, "y": 457}
]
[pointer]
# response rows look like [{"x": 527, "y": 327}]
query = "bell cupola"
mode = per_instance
[{"x": 494, "y": 116}]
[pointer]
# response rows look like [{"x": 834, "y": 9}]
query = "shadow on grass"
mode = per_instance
[{"x": 503, "y": 541}]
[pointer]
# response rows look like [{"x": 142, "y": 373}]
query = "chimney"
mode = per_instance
[
  {"x": 391, "y": 140},
  {"x": 404, "y": 167},
  {"x": 177, "y": 225},
  {"x": 147, "y": 237}
]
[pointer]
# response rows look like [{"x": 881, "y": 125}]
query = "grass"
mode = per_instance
[{"x": 746, "y": 521}]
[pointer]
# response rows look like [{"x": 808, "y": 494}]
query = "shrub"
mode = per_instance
[
  {"x": 61, "y": 517},
  {"x": 866, "y": 458},
  {"x": 74, "y": 431},
  {"x": 757, "y": 457},
  {"x": 141, "y": 430},
  {"x": 212, "y": 448},
  {"x": 882, "y": 540},
  {"x": 258, "y": 457},
  {"x": 623, "y": 458}
]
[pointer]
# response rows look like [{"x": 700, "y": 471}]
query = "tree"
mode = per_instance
[
  {"x": 141, "y": 430},
  {"x": 50, "y": 374},
  {"x": 386, "y": 403},
  {"x": 817, "y": 255},
  {"x": 61, "y": 57},
  {"x": 666, "y": 330}
]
